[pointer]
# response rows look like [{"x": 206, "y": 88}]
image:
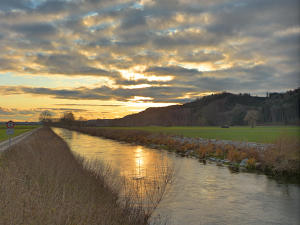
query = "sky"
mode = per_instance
[{"x": 110, "y": 58}]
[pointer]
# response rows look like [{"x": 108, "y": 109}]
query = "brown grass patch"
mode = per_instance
[{"x": 283, "y": 157}]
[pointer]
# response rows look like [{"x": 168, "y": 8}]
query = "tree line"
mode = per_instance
[{"x": 224, "y": 109}]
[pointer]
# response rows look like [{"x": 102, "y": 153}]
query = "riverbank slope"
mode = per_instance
[{"x": 42, "y": 182}]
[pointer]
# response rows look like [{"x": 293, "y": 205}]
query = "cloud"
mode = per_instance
[
  {"x": 90, "y": 105},
  {"x": 54, "y": 6},
  {"x": 73, "y": 64},
  {"x": 4, "y": 111},
  {"x": 175, "y": 92},
  {"x": 215, "y": 45},
  {"x": 14, "y": 111},
  {"x": 64, "y": 109},
  {"x": 132, "y": 19},
  {"x": 160, "y": 94},
  {"x": 172, "y": 70},
  {"x": 35, "y": 30},
  {"x": 15, "y": 4}
]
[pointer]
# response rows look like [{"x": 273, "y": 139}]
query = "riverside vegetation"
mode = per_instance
[
  {"x": 280, "y": 159},
  {"x": 42, "y": 182}
]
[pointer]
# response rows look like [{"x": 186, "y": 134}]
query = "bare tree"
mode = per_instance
[
  {"x": 251, "y": 117},
  {"x": 46, "y": 116},
  {"x": 68, "y": 117}
]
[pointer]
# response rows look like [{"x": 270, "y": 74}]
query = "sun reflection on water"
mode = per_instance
[{"x": 139, "y": 162}]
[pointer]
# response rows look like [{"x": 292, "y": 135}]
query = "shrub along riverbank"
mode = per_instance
[
  {"x": 42, "y": 182},
  {"x": 282, "y": 159}
]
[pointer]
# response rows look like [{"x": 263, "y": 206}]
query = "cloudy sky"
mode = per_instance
[{"x": 110, "y": 58}]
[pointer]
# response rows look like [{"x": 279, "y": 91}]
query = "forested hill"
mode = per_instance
[{"x": 219, "y": 109}]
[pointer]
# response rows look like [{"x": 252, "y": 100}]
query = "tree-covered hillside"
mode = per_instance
[{"x": 219, "y": 109}]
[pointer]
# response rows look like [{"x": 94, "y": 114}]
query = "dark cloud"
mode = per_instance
[
  {"x": 53, "y": 6},
  {"x": 159, "y": 94},
  {"x": 15, "y": 4},
  {"x": 252, "y": 17},
  {"x": 35, "y": 30},
  {"x": 132, "y": 19},
  {"x": 89, "y": 105},
  {"x": 73, "y": 64},
  {"x": 200, "y": 57},
  {"x": 64, "y": 109},
  {"x": 172, "y": 70}
]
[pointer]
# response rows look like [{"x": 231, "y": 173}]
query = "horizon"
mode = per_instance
[
  {"x": 191, "y": 100},
  {"x": 108, "y": 59}
]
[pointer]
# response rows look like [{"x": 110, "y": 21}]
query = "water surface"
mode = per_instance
[{"x": 199, "y": 194}]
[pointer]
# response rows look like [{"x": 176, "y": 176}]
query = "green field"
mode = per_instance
[
  {"x": 19, "y": 129},
  {"x": 259, "y": 134}
]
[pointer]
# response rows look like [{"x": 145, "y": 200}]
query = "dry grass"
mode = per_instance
[
  {"x": 284, "y": 157},
  {"x": 42, "y": 182}
]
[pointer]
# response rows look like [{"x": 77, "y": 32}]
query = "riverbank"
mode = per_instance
[
  {"x": 281, "y": 159},
  {"x": 42, "y": 182}
]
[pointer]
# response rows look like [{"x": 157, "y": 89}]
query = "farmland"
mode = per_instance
[
  {"x": 259, "y": 134},
  {"x": 19, "y": 129}
]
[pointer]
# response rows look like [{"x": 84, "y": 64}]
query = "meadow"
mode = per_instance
[
  {"x": 19, "y": 129},
  {"x": 259, "y": 134}
]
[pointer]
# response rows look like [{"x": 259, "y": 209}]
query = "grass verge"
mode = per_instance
[
  {"x": 42, "y": 182},
  {"x": 19, "y": 129}
]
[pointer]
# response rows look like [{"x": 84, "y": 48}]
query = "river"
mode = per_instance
[{"x": 199, "y": 194}]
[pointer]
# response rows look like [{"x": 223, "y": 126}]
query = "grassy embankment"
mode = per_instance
[
  {"x": 19, "y": 129},
  {"x": 42, "y": 182},
  {"x": 281, "y": 159},
  {"x": 259, "y": 134}
]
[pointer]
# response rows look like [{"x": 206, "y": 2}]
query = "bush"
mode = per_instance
[
  {"x": 284, "y": 156},
  {"x": 251, "y": 164}
]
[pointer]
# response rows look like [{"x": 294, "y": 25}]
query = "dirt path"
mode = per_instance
[{"x": 5, "y": 144}]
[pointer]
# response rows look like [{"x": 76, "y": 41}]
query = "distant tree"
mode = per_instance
[
  {"x": 81, "y": 121},
  {"x": 210, "y": 113},
  {"x": 46, "y": 116},
  {"x": 81, "y": 118},
  {"x": 68, "y": 117},
  {"x": 251, "y": 117}
]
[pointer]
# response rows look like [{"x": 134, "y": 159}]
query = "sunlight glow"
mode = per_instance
[
  {"x": 136, "y": 86},
  {"x": 140, "y": 99},
  {"x": 201, "y": 67},
  {"x": 139, "y": 162},
  {"x": 132, "y": 75}
]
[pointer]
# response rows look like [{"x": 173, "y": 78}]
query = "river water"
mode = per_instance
[{"x": 199, "y": 194}]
